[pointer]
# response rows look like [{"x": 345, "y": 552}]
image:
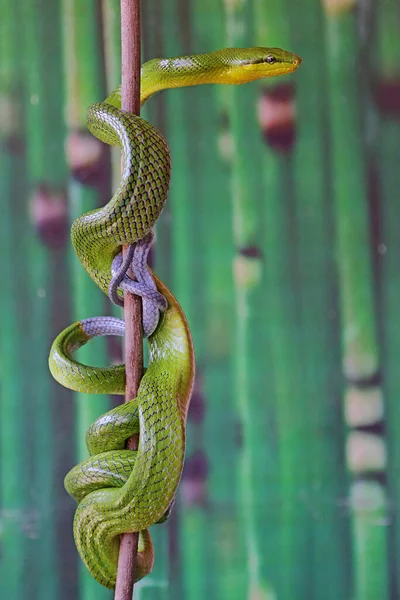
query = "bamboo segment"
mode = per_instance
[
  {"x": 356, "y": 283},
  {"x": 178, "y": 103},
  {"x": 288, "y": 473},
  {"x": 111, "y": 16},
  {"x": 158, "y": 585},
  {"x": 84, "y": 85},
  {"x": 13, "y": 482},
  {"x": 14, "y": 505},
  {"x": 257, "y": 494},
  {"x": 360, "y": 356},
  {"x": 212, "y": 202},
  {"x": 45, "y": 135},
  {"x": 385, "y": 60},
  {"x": 181, "y": 236},
  {"x": 322, "y": 436},
  {"x": 369, "y": 503}
]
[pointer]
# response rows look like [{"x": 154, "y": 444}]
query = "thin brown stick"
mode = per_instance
[{"x": 130, "y": 38}]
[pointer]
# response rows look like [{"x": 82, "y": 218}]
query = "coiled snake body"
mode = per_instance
[{"x": 122, "y": 490}]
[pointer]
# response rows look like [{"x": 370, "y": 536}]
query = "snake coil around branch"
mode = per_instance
[{"x": 118, "y": 490}]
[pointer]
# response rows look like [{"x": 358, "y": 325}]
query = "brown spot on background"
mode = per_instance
[
  {"x": 48, "y": 211},
  {"x": 276, "y": 116}
]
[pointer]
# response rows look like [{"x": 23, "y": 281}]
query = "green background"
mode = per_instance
[{"x": 281, "y": 240}]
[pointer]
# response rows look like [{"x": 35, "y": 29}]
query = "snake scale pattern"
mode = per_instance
[{"x": 121, "y": 490}]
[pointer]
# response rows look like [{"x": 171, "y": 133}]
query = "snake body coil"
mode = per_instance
[{"x": 122, "y": 490}]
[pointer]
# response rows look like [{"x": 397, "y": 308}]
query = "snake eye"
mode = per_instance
[{"x": 270, "y": 59}]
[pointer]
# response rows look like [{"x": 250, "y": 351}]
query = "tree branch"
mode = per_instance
[{"x": 130, "y": 38}]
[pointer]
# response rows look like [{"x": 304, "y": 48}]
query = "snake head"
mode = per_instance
[{"x": 250, "y": 64}]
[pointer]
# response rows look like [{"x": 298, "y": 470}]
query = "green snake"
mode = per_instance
[{"x": 121, "y": 490}]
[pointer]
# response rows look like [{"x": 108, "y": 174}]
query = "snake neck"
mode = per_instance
[
  {"x": 184, "y": 71},
  {"x": 167, "y": 73},
  {"x": 227, "y": 66}
]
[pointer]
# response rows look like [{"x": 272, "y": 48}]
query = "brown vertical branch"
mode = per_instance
[{"x": 130, "y": 36}]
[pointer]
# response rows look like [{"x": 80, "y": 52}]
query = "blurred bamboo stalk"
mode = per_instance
[
  {"x": 84, "y": 85},
  {"x": 288, "y": 466},
  {"x": 111, "y": 18},
  {"x": 386, "y": 75},
  {"x": 327, "y": 542},
  {"x": 44, "y": 197},
  {"x": 188, "y": 530},
  {"x": 13, "y": 499},
  {"x": 162, "y": 583},
  {"x": 249, "y": 368},
  {"x": 369, "y": 502},
  {"x": 215, "y": 408},
  {"x": 14, "y": 502},
  {"x": 357, "y": 305},
  {"x": 350, "y": 202}
]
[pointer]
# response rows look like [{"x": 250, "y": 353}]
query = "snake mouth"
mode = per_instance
[
  {"x": 255, "y": 72},
  {"x": 269, "y": 66},
  {"x": 284, "y": 69}
]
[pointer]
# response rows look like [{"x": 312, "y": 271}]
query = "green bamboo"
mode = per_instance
[
  {"x": 16, "y": 508},
  {"x": 178, "y": 103},
  {"x": 178, "y": 238},
  {"x": 257, "y": 473},
  {"x": 13, "y": 474},
  {"x": 350, "y": 202},
  {"x": 356, "y": 283},
  {"x": 211, "y": 198},
  {"x": 288, "y": 469},
  {"x": 44, "y": 137},
  {"x": 84, "y": 85},
  {"x": 14, "y": 502},
  {"x": 111, "y": 14},
  {"x": 369, "y": 503},
  {"x": 8, "y": 55},
  {"x": 111, "y": 17},
  {"x": 163, "y": 582},
  {"x": 385, "y": 61},
  {"x": 322, "y": 437}
]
